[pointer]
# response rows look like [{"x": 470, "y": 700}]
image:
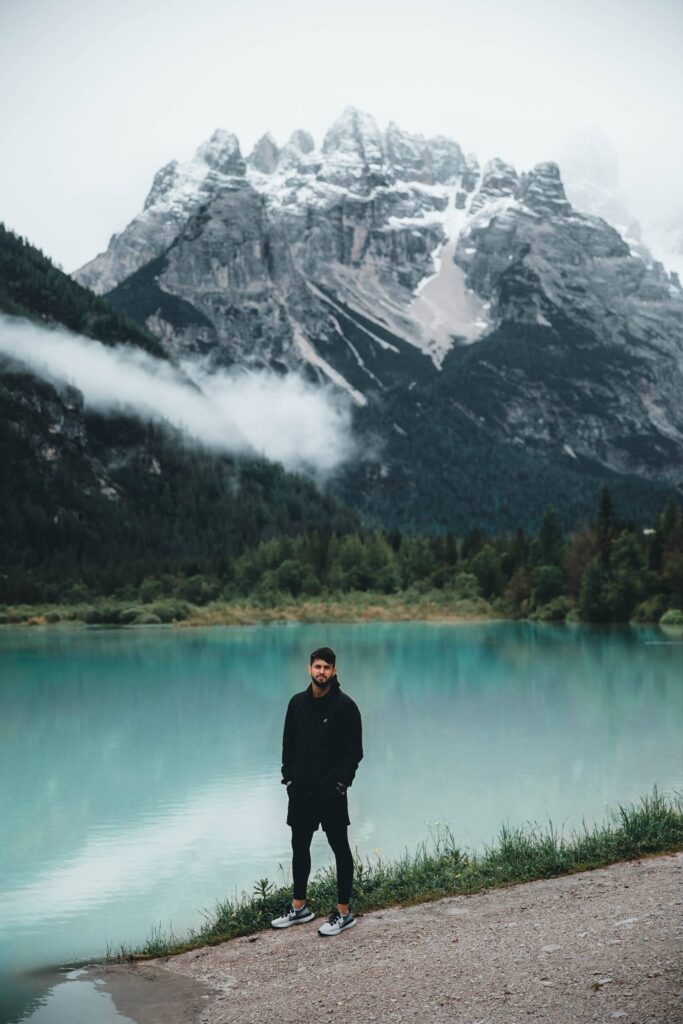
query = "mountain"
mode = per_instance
[
  {"x": 590, "y": 170},
  {"x": 112, "y": 498},
  {"x": 474, "y": 307}
]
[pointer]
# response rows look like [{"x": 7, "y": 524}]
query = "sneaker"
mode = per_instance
[
  {"x": 337, "y": 922},
  {"x": 293, "y": 917}
]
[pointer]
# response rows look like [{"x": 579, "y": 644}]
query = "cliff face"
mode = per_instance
[
  {"x": 395, "y": 268},
  {"x": 606, "y": 374}
]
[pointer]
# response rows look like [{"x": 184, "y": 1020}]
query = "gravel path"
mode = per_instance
[{"x": 602, "y": 945}]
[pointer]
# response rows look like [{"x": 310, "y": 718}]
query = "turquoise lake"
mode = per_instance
[{"x": 140, "y": 767}]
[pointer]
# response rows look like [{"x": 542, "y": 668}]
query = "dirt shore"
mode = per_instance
[{"x": 602, "y": 945}]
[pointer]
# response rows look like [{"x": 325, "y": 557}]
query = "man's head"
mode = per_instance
[{"x": 321, "y": 667}]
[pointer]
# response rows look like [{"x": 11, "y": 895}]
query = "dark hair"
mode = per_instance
[{"x": 325, "y": 654}]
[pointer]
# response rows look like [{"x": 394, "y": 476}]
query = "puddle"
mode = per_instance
[{"x": 99, "y": 994}]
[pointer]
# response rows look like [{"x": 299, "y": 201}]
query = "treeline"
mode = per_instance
[
  {"x": 606, "y": 571},
  {"x": 179, "y": 511}
]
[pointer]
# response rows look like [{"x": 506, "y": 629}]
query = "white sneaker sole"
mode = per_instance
[
  {"x": 288, "y": 924},
  {"x": 339, "y": 930}
]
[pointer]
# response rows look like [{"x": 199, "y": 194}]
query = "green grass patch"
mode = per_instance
[
  {"x": 351, "y": 606},
  {"x": 653, "y": 826}
]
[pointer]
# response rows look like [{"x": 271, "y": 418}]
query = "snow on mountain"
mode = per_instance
[
  {"x": 380, "y": 260},
  {"x": 388, "y": 202},
  {"x": 177, "y": 192},
  {"x": 444, "y": 307}
]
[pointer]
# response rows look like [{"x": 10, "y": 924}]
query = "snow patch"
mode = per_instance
[{"x": 444, "y": 307}]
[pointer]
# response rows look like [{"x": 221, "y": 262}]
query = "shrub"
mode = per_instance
[
  {"x": 150, "y": 589},
  {"x": 674, "y": 617},
  {"x": 554, "y": 611},
  {"x": 129, "y": 615},
  {"x": 146, "y": 618},
  {"x": 467, "y": 585},
  {"x": 472, "y": 606},
  {"x": 170, "y": 611},
  {"x": 650, "y": 610}
]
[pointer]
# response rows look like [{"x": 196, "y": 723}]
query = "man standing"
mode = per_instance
[{"x": 321, "y": 750}]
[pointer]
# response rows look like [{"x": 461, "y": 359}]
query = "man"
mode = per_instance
[{"x": 322, "y": 747}]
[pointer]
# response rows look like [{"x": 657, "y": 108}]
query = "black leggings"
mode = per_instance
[{"x": 301, "y": 861}]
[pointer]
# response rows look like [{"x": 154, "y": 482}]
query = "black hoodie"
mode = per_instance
[{"x": 322, "y": 742}]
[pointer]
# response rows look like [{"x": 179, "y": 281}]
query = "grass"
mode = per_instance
[
  {"x": 355, "y": 606},
  {"x": 654, "y": 826}
]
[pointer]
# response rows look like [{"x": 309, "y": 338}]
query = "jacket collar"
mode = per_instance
[{"x": 332, "y": 692}]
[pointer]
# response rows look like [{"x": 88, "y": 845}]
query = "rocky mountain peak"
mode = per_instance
[
  {"x": 448, "y": 162},
  {"x": 353, "y": 152},
  {"x": 499, "y": 181},
  {"x": 316, "y": 262},
  {"x": 354, "y": 131},
  {"x": 436, "y": 161},
  {"x": 302, "y": 140},
  {"x": 299, "y": 153},
  {"x": 222, "y": 153},
  {"x": 541, "y": 190},
  {"x": 265, "y": 155},
  {"x": 500, "y": 178},
  {"x": 164, "y": 180},
  {"x": 407, "y": 155}
]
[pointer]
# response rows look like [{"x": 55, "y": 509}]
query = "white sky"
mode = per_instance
[{"x": 95, "y": 96}]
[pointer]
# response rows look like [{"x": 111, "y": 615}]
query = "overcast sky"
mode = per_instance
[{"x": 95, "y": 96}]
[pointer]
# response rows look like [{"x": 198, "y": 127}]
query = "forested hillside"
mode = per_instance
[
  {"x": 31, "y": 286},
  {"x": 108, "y": 498}
]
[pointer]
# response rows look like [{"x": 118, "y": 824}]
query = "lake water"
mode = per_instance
[{"x": 140, "y": 767}]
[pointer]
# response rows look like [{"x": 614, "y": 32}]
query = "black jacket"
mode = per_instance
[{"x": 322, "y": 742}]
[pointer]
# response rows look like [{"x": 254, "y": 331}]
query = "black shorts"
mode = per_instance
[{"x": 309, "y": 810}]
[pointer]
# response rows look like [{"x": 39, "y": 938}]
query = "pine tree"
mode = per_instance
[
  {"x": 605, "y": 524},
  {"x": 593, "y": 603},
  {"x": 551, "y": 538}
]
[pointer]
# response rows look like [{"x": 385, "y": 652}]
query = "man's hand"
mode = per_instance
[{"x": 341, "y": 788}]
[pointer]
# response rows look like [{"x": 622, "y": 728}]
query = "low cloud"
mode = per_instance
[{"x": 287, "y": 419}]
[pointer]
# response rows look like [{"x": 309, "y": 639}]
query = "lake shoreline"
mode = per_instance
[
  {"x": 597, "y": 942},
  {"x": 354, "y": 607},
  {"x": 247, "y": 614},
  {"x": 521, "y": 854}
]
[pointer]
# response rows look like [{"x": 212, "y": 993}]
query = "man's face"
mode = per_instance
[{"x": 321, "y": 672}]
